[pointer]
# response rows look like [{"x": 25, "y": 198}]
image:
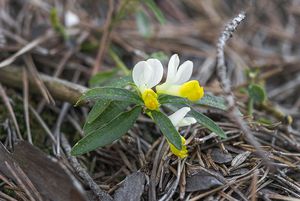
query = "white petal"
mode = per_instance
[
  {"x": 172, "y": 68},
  {"x": 186, "y": 121},
  {"x": 71, "y": 19},
  {"x": 141, "y": 74},
  {"x": 179, "y": 115},
  {"x": 157, "y": 72},
  {"x": 184, "y": 72}
]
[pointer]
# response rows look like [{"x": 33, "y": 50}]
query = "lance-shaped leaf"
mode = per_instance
[
  {"x": 207, "y": 123},
  {"x": 97, "y": 109},
  {"x": 206, "y": 100},
  {"x": 167, "y": 128},
  {"x": 114, "y": 109},
  {"x": 108, "y": 133},
  {"x": 155, "y": 9},
  {"x": 110, "y": 93},
  {"x": 167, "y": 99},
  {"x": 101, "y": 78},
  {"x": 120, "y": 82},
  {"x": 212, "y": 101}
]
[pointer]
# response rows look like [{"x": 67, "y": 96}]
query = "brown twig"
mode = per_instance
[
  {"x": 152, "y": 185},
  {"x": 103, "y": 196},
  {"x": 26, "y": 48},
  {"x": 39, "y": 83},
  {"x": 25, "y": 100},
  {"x": 10, "y": 110},
  {"x": 233, "y": 111},
  {"x": 20, "y": 182},
  {"x": 60, "y": 89},
  {"x": 104, "y": 39}
]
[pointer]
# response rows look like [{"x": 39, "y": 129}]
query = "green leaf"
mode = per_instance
[
  {"x": 102, "y": 77},
  {"x": 88, "y": 47},
  {"x": 110, "y": 112},
  {"x": 167, "y": 128},
  {"x": 167, "y": 99},
  {"x": 143, "y": 23},
  {"x": 257, "y": 93},
  {"x": 107, "y": 134},
  {"x": 206, "y": 100},
  {"x": 120, "y": 64},
  {"x": 207, "y": 123},
  {"x": 56, "y": 24},
  {"x": 97, "y": 109},
  {"x": 212, "y": 101},
  {"x": 120, "y": 82},
  {"x": 110, "y": 93},
  {"x": 157, "y": 12}
]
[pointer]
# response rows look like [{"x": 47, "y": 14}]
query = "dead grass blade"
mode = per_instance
[
  {"x": 25, "y": 49},
  {"x": 10, "y": 110}
]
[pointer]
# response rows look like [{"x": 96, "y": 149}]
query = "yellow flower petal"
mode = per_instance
[
  {"x": 150, "y": 99},
  {"x": 191, "y": 90},
  {"x": 183, "y": 153}
]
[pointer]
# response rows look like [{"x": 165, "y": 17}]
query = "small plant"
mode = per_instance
[
  {"x": 255, "y": 90},
  {"x": 120, "y": 102}
]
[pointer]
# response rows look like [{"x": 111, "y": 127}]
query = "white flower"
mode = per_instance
[
  {"x": 178, "y": 119},
  {"x": 177, "y": 83},
  {"x": 178, "y": 74},
  {"x": 146, "y": 75},
  {"x": 71, "y": 19}
]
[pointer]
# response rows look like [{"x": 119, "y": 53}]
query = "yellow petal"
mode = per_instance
[
  {"x": 183, "y": 153},
  {"x": 150, "y": 99},
  {"x": 191, "y": 90}
]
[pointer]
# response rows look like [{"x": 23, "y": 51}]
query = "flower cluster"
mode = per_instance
[{"x": 148, "y": 74}]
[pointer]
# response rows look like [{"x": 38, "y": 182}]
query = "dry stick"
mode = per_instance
[
  {"x": 10, "y": 110},
  {"x": 33, "y": 71},
  {"x": 173, "y": 188},
  {"x": 25, "y": 100},
  {"x": 63, "y": 61},
  {"x": 28, "y": 182},
  {"x": 6, "y": 197},
  {"x": 19, "y": 181},
  {"x": 104, "y": 38},
  {"x": 103, "y": 196},
  {"x": 285, "y": 88},
  {"x": 254, "y": 186},
  {"x": 225, "y": 84},
  {"x": 60, "y": 89},
  {"x": 59, "y": 121},
  {"x": 21, "y": 41},
  {"x": 61, "y": 117},
  {"x": 26, "y": 48},
  {"x": 42, "y": 123},
  {"x": 69, "y": 53},
  {"x": 152, "y": 184},
  {"x": 225, "y": 181}
]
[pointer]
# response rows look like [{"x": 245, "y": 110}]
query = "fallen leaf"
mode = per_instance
[
  {"x": 240, "y": 158},
  {"x": 219, "y": 156},
  {"x": 132, "y": 188},
  {"x": 201, "y": 181},
  {"x": 46, "y": 175}
]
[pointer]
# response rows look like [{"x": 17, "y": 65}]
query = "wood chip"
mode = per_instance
[
  {"x": 219, "y": 156},
  {"x": 240, "y": 158},
  {"x": 132, "y": 187},
  {"x": 201, "y": 181}
]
